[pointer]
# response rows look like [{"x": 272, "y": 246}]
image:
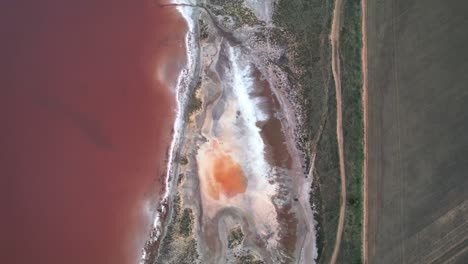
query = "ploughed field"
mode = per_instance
[{"x": 417, "y": 143}]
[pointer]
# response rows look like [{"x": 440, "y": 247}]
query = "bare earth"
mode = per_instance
[
  {"x": 335, "y": 38},
  {"x": 239, "y": 167}
]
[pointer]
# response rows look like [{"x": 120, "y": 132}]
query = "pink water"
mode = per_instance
[{"x": 86, "y": 118}]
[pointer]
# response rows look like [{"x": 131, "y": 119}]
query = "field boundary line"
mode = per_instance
[{"x": 365, "y": 123}]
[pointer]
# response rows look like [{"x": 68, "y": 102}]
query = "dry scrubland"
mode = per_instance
[
  {"x": 308, "y": 26},
  {"x": 418, "y": 121}
]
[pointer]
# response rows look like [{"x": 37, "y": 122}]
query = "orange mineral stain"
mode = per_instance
[{"x": 227, "y": 176}]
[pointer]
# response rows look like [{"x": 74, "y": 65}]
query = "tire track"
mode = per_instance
[
  {"x": 335, "y": 39},
  {"x": 398, "y": 122}
]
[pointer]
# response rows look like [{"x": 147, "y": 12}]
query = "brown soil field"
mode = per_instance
[{"x": 417, "y": 120}]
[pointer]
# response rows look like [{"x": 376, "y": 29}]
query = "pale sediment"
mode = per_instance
[{"x": 259, "y": 193}]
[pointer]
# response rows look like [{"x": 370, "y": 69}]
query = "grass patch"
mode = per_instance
[
  {"x": 353, "y": 130},
  {"x": 304, "y": 28},
  {"x": 204, "y": 34},
  {"x": 240, "y": 14},
  {"x": 178, "y": 244},
  {"x": 194, "y": 103},
  {"x": 186, "y": 222},
  {"x": 327, "y": 175},
  {"x": 183, "y": 160},
  {"x": 249, "y": 259},
  {"x": 235, "y": 238}
]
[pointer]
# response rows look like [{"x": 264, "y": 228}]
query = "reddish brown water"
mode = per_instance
[
  {"x": 86, "y": 121},
  {"x": 276, "y": 152}
]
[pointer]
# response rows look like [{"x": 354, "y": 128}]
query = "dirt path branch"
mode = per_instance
[{"x": 335, "y": 40}]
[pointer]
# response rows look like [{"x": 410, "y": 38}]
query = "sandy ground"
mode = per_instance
[
  {"x": 295, "y": 240},
  {"x": 277, "y": 220},
  {"x": 335, "y": 38},
  {"x": 364, "y": 107}
]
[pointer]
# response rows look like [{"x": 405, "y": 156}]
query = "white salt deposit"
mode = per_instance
[{"x": 239, "y": 135}]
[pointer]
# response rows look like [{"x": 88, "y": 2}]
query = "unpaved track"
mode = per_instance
[
  {"x": 335, "y": 39},
  {"x": 364, "y": 108}
]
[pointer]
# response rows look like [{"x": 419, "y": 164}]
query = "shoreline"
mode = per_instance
[
  {"x": 184, "y": 84},
  {"x": 90, "y": 127}
]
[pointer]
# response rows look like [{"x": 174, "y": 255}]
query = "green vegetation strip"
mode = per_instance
[{"x": 353, "y": 130}]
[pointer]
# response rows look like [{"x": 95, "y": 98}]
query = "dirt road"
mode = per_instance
[
  {"x": 364, "y": 108},
  {"x": 335, "y": 40}
]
